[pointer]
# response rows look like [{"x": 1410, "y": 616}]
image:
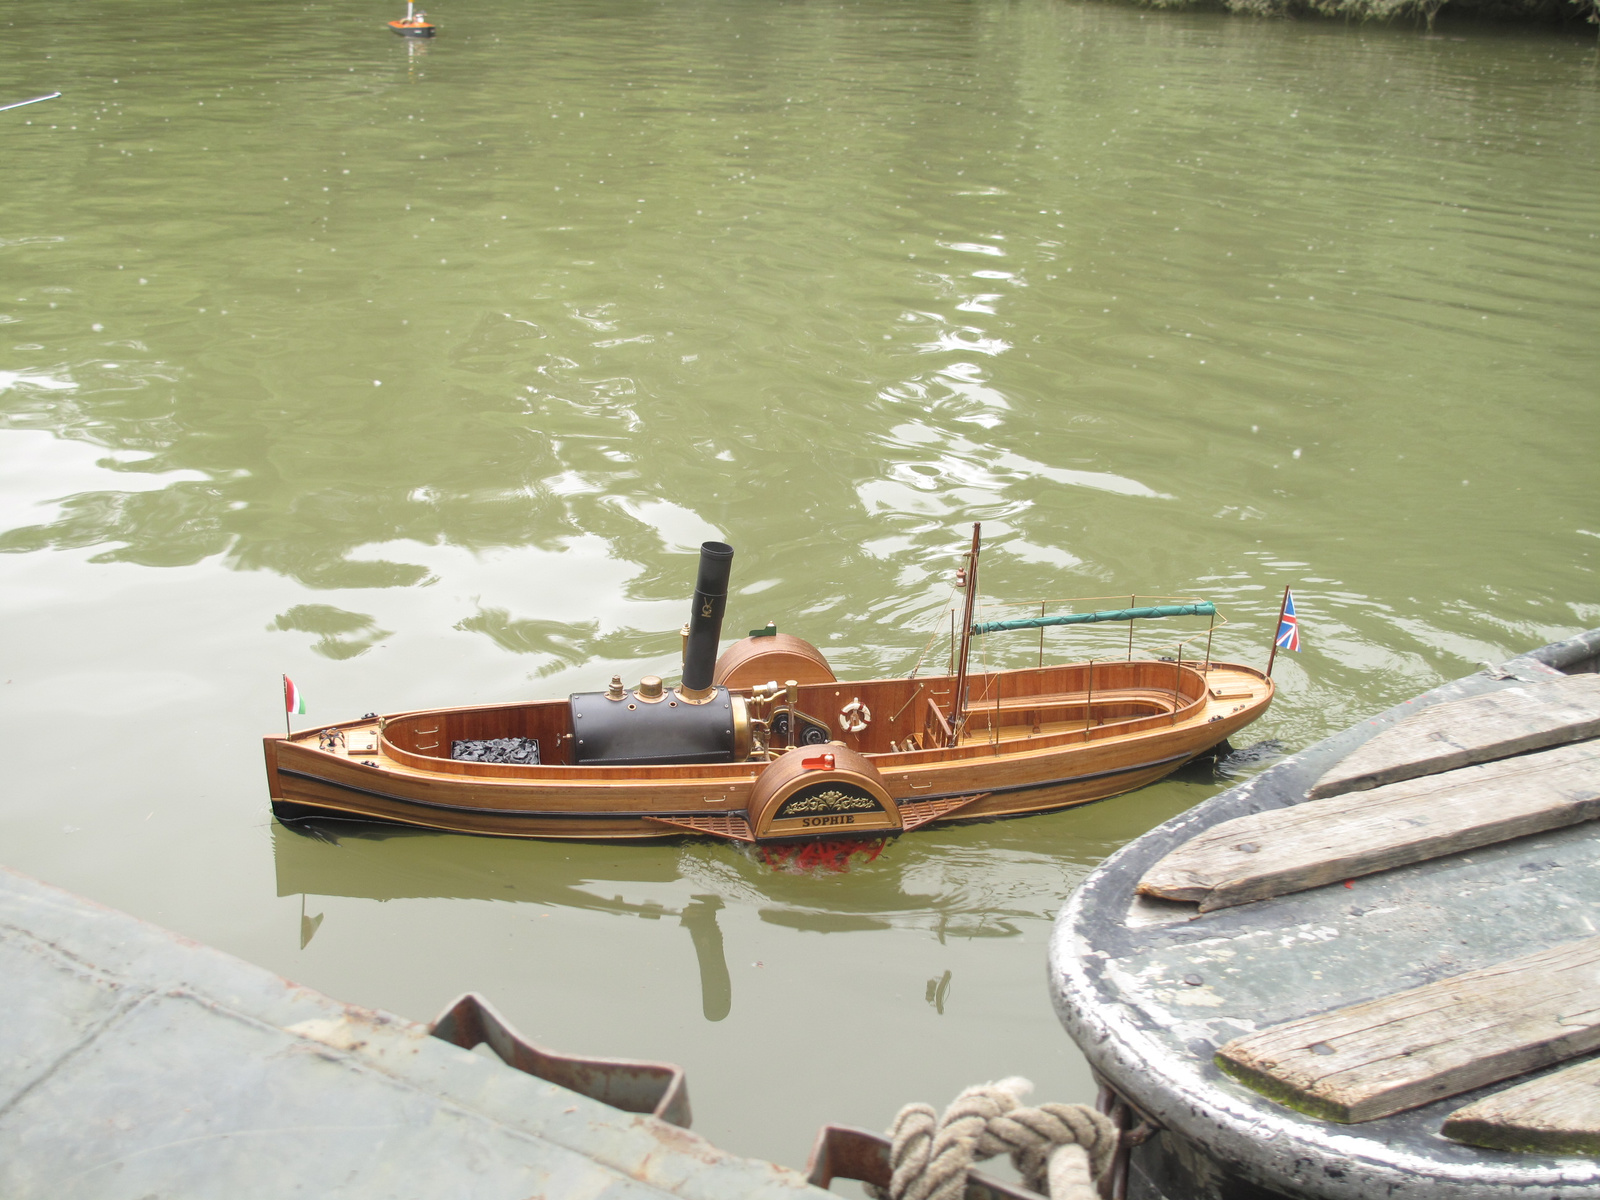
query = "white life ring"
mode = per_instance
[{"x": 855, "y": 716}]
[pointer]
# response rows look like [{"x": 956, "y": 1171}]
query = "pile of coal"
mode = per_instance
[{"x": 520, "y": 752}]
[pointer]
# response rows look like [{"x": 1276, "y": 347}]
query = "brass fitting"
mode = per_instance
[{"x": 650, "y": 690}]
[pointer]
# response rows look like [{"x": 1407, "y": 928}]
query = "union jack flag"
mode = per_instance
[{"x": 1288, "y": 625}]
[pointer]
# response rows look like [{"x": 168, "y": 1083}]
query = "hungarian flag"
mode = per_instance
[
  {"x": 293, "y": 701},
  {"x": 1288, "y": 626}
]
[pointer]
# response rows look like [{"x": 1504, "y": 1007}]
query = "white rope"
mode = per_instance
[{"x": 1061, "y": 1150}]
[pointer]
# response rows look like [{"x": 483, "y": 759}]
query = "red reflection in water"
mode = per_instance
[{"x": 830, "y": 857}]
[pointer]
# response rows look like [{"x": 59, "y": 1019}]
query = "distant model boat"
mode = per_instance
[
  {"x": 765, "y": 744},
  {"x": 415, "y": 23}
]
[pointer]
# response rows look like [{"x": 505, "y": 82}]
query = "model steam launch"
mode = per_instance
[
  {"x": 765, "y": 744},
  {"x": 414, "y": 24}
]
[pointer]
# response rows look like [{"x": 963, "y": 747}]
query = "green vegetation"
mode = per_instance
[
  {"x": 1276, "y": 1090},
  {"x": 1542, "y": 11}
]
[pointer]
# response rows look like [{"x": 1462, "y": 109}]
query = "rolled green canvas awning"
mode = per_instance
[{"x": 1203, "y": 609}]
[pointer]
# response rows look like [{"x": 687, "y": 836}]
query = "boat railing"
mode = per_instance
[
  {"x": 936, "y": 729},
  {"x": 1097, "y": 610}
]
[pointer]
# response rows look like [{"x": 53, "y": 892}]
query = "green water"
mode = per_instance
[{"x": 418, "y": 372}]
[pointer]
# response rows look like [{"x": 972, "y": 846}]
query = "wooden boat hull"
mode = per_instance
[
  {"x": 1036, "y": 740},
  {"x": 412, "y": 30}
]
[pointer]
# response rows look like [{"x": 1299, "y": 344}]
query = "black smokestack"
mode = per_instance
[{"x": 705, "y": 618}]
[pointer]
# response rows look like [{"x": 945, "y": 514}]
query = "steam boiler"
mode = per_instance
[{"x": 653, "y": 725}]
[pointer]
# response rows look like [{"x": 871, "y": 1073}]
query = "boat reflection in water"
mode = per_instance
[
  {"x": 699, "y": 917},
  {"x": 961, "y": 884},
  {"x": 829, "y": 857},
  {"x": 375, "y": 862}
]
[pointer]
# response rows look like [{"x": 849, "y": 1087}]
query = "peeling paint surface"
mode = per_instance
[
  {"x": 1151, "y": 990},
  {"x": 136, "y": 1063}
]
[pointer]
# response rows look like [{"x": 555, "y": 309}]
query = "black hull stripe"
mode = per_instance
[
  {"x": 626, "y": 814},
  {"x": 634, "y": 815}
]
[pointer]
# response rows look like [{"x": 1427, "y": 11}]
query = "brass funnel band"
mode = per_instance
[
  {"x": 741, "y": 728},
  {"x": 691, "y": 695}
]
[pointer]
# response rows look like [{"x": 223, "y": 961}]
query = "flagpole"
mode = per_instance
[
  {"x": 1282, "y": 608},
  {"x": 288, "y": 731}
]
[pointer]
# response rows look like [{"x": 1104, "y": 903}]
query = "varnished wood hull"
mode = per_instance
[{"x": 1014, "y": 762}]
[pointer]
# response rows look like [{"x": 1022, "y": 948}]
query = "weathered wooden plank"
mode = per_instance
[
  {"x": 1478, "y": 729},
  {"x": 1557, "y": 1113},
  {"x": 1323, "y": 841},
  {"x": 1413, "y": 1047}
]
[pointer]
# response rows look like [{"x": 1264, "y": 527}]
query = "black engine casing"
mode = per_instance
[{"x": 637, "y": 733}]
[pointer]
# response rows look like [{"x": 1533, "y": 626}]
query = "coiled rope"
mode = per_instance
[{"x": 1061, "y": 1150}]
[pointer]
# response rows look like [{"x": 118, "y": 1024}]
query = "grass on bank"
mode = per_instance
[{"x": 1555, "y": 12}]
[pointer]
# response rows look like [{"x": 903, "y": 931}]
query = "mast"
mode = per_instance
[{"x": 958, "y": 715}]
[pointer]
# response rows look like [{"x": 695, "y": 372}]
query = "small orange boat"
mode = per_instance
[
  {"x": 414, "y": 24},
  {"x": 765, "y": 744}
]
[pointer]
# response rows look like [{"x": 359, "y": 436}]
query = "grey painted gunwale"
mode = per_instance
[{"x": 1131, "y": 1041}]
